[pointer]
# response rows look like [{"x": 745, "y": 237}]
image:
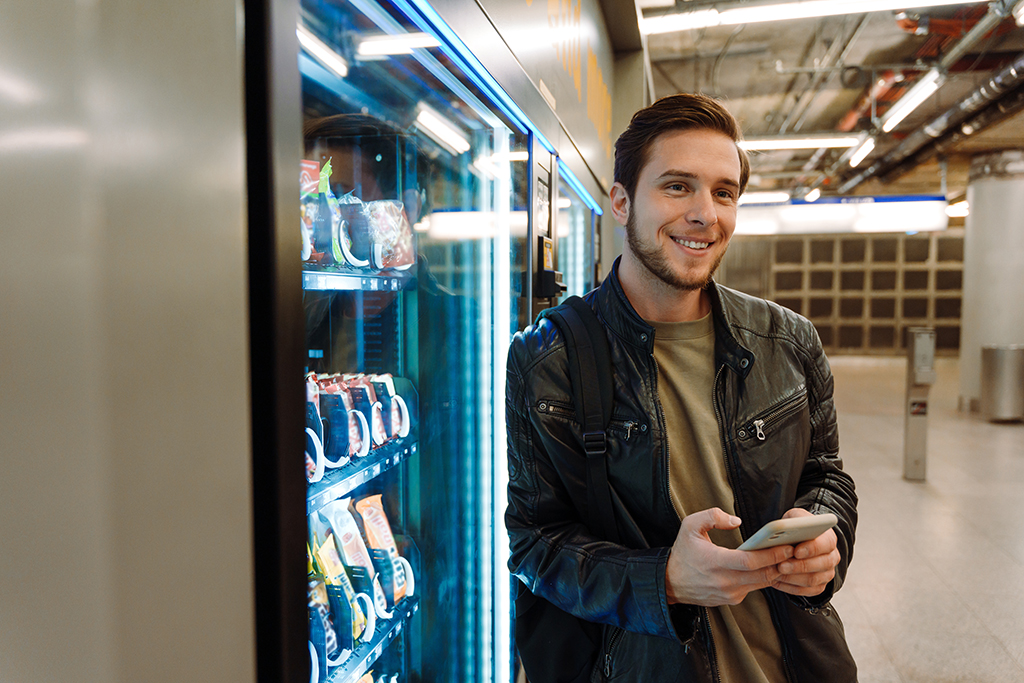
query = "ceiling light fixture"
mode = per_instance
[
  {"x": 813, "y": 195},
  {"x": 958, "y": 210},
  {"x": 776, "y": 11},
  {"x": 323, "y": 53},
  {"x": 918, "y": 93},
  {"x": 441, "y": 130},
  {"x": 804, "y": 142},
  {"x": 862, "y": 151},
  {"x": 1018, "y": 14},
  {"x": 764, "y": 198},
  {"x": 401, "y": 44}
]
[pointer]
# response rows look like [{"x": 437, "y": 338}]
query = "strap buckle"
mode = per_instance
[{"x": 595, "y": 443}]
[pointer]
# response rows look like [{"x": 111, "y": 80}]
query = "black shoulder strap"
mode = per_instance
[{"x": 590, "y": 370}]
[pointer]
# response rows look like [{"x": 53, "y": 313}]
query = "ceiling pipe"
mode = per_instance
[
  {"x": 879, "y": 88},
  {"x": 836, "y": 53},
  {"x": 994, "y": 114},
  {"x": 993, "y": 90}
]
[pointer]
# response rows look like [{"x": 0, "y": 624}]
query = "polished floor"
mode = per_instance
[{"x": 935, "y": 593}]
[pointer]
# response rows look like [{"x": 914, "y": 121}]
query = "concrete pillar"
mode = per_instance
[{"x": 993, "y": 285}]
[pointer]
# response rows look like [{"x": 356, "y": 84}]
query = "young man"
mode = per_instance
[{"x": 723, "y": 420}]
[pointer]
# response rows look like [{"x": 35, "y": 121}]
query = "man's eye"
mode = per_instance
[{"x": 677, "y": 187}]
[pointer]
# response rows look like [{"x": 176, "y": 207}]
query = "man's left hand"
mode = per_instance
[{"x": 813, "y": 564}]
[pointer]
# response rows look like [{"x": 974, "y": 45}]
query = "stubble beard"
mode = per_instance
[{"x": 654, "y": 260}]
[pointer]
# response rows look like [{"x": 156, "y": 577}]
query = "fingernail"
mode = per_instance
[
  {"x": 735, "y": 521},
  {"x": 801, "y": 554},
  {"x": 786, "y": 567}
]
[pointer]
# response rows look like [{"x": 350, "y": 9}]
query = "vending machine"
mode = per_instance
[{"x": 411, "y": 244}]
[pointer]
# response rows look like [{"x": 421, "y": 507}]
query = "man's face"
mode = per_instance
[{"x": 683, "y": 213}]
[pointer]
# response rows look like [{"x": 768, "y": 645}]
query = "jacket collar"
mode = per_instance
[{"x": 622, "y": 319}]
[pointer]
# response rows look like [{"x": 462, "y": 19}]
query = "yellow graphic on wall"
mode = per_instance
[
  {"x": 564, "y": 22},
  {"x": 599, "y": 102}
]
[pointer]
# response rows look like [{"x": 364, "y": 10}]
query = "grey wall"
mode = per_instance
[{"x": 125, "y": 500}]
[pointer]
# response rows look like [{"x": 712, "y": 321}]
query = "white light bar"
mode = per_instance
[
  {"x": 807, "y": 142},
  {"x": 813, "y": 195},
  {"x": 958, "y": 210},
  {"x": 764, "y": 198},
  {"x": 401, "y": 44},
  {"x": 845, "y": 215},
  {"x": 917, "y": 94},
  {"x": 862, "y": 152},
  {"x": 322, "y": 52},
  {"x": 441, "y": 130},
  {"x": 805, "y": 9}
]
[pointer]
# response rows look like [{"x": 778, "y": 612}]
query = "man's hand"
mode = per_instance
[
  {"x": 702, "y": 573},
  {"x": 813, "y": 565}
]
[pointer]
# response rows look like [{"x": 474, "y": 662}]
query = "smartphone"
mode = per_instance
[{"x": 790, "y": 531}]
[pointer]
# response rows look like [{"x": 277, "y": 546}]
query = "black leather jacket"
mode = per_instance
[{"x": 773, "y": 399}]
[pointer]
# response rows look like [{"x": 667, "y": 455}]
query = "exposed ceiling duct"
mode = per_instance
[{"x": 992, "y": 91}]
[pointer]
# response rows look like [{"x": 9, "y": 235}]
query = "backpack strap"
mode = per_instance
[{"x": 590, "y": 371}]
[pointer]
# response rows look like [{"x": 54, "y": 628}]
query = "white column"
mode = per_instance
[{"x": 993, "y": 285}]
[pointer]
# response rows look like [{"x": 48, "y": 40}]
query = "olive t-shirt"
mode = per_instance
[{"x": 747, "y": 646}]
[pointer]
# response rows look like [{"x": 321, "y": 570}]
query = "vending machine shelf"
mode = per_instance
[
  {"x": 325, "y": 280},
  {"x": 364, "y": 656},
  {"x": 337, "y": 483}
]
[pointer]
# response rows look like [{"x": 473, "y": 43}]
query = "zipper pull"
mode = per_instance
[
  {"x": 760, "y": 432},
  {"x": 608, "y": 665},
  {"x": 630, "y": 426}
]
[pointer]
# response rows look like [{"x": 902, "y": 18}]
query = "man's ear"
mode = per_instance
[{"x": 620, "y": 203}]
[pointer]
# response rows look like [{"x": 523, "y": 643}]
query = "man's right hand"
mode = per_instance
[{"x": 702, "y": 573}]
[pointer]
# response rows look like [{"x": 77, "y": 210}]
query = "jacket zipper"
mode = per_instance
[
  {"x": 714, "y": 650},
  {"x": 785, "y": 409},
  {"x": 734, "y": 477},
  {"x": 562, "y": 410},
  {"x": 616, "y": 637}
]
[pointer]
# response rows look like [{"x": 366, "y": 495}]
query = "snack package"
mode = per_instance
[
  {"x": 326, "y": 552},
  {"x": 393, "y": 407},
  {"x": 316, "y": 594},
  {"x": 389, "y": 228},
  {"x": 364, "y": 399},
  {"x": 379, "y": 536},
  {"x": 336, "y": 402},
  {"x": 351, "y": 213},
  {"x": 354, "y": 553}
]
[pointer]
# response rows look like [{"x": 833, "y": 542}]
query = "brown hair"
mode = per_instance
[{"x": 673, "y": 113}]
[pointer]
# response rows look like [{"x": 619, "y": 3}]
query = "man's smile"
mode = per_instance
[{"x": 692, "y": 244}]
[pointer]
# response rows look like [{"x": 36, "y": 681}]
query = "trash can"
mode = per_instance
[{"x": 1002, "y": 383}]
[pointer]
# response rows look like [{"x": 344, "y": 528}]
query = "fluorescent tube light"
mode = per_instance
[
  {"x": 441, "y": 130},
  {"x": 958, "y": 210},
  {"x": 322, "y": 52},
  {"x": 808, "y": 142},
  {"x": 764, "y": 198},
  {"x": 862, "y": 152},
  {"x": 917, "y": 94},
  {"x": 805, "y": 9},
  {"x": 1018, "y": 13},
  {"x": 813, "y": 195},
  {"x": 401, "y": 44}
]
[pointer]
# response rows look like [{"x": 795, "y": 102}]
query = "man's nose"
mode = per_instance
[{"x": 702, "y": 210}]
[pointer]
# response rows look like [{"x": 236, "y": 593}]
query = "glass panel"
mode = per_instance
[
  {"x": 574, "y": 242},
  {"x": 413, "y": 234}
]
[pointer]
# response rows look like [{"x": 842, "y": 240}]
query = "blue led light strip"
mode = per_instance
[{"x": 572, "y": 181}]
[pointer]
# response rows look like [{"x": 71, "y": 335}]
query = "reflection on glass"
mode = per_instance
[
  {"x": 413, "y": 232},
  {"x": 574, "y": 240}
]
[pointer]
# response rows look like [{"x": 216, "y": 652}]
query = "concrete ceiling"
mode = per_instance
[{"x": 806, "y": 76}]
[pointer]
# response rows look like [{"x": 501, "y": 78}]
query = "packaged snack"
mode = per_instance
[
  {"x": 364, "y": 399},
  {"x": 354, "y": 553},
  {"x": 316, "y": 594},
  {"x": 329, "y": 561},
  {"x": 389, "y": 229},
  {"x": 393, "y": 407},
  {"x": 309, "y": 179},
  {"x": 351, "y": 214},
  {"x": 379, "y": 536}
]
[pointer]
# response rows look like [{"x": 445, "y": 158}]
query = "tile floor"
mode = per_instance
[{"x": 935, "y": 593}]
